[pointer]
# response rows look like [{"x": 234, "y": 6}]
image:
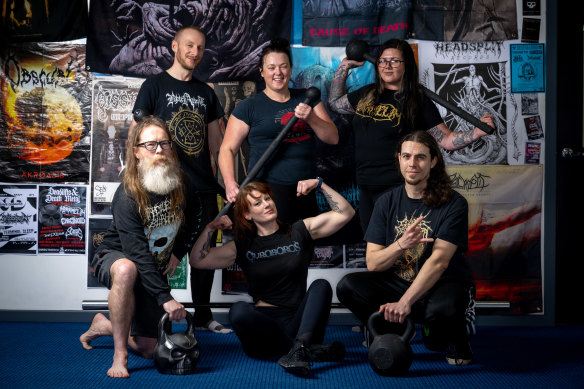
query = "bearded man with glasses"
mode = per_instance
[{"x": 133, "y": 259}]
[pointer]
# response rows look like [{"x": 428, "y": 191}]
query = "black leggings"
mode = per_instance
[
  {"x": 446, "y": 304},
  {"x": 270, "y": 331}
]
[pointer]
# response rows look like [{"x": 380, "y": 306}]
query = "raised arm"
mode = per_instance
[
  {"x": 320, "y": 121},
  {"x": 337, "y": 100},
  {"x": 329, "y": 222},
  {"x": 237, "y": 130},
  {"x": 203, "y": 256},
  {"x": 454, "y": 140}
]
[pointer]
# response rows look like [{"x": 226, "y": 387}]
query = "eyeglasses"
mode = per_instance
[
  {"x": 394, "y": 63},
  {"x": 152, "y": 145}
]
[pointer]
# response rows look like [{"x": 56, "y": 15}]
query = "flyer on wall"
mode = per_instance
[
  {"x": 527, "y": 68},
  {"x": 62, "y": 219},
  {"x": 18, "y": 219}
]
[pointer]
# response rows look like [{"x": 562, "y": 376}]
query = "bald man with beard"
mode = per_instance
[{"x": 192, "y": 112}]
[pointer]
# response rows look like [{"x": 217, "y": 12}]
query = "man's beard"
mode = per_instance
[
  {"x": 185, "y": 65},
  {"x": 162, "y": 176}
]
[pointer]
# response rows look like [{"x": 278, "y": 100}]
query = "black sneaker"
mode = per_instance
[
  {"x": 459, "y": 355},
  {"x": 297, "y": 361},
  {"x": 433, "y": 338},
  {"x": 333, "y": 352}
]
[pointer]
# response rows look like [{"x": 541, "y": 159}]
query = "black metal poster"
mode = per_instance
[
  {"x": 62, "y": 219},
  {"x": 18, "y": 219}
]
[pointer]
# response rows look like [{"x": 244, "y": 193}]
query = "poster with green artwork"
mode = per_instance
[{"x": 179, "y": 278}]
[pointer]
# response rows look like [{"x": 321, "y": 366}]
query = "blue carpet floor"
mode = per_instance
[{"x": 49, "y": 355}]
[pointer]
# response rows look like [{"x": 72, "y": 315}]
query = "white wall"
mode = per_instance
[{"x": 59, "y": 282}]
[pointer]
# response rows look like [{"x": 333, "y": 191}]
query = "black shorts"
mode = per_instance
[{"x": 147, "y": 312}]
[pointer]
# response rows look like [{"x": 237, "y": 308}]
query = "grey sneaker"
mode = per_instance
[
  {"x": 215, "y": 327},
  {"x": 459, "y": 355},
  {"x": 297, "y": 361}
]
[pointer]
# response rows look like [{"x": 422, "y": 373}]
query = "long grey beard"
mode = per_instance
[{"x": 160, "y": 179}]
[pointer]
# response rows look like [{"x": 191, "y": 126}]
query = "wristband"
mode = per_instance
[
  {"x": 319, "y": 183},
  {"x": 401, "y": 248}
]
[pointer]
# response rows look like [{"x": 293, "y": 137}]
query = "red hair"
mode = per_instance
[{"x": 244, "y": 227}]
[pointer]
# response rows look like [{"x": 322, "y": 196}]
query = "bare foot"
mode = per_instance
[
  {"x": 119, "y": 368},
  {"x": 100, "y": 326}
]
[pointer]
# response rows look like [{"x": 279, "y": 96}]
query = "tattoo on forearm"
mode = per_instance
[
  {"x": 437, "y": 134},
  {"x": 343, "y": 106},
  {"x": 463, "y": 138},
  {"x": 338, "y": 82},
  {"x": 332, "y": 203},
  {"x": 337, "y": 100},
  {"x": 207, "y": 246}
]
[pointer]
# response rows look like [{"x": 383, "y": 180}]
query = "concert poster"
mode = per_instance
[
  {"x": 504, "y": 232},
  {"x": 113, "y": 101},
  {"x": 179, "y": 279},
  {"x": 355, "y": 255},
  {"x": 474, "y": 77},
  {"x": 233, "y": 280},
  {"x": 327, "y": 257},
  {"x": 18, "y": 219},
  {"x": 62, "y": 219},
  {"x": 532, "y": 152},
  {"x": 533, "y": 127},
  {"x": 527, "y": 68},
  {"x": 45, "y": 114}
]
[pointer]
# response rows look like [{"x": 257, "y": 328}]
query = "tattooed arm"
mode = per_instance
[
  {"x": 203, "y": 256},
  {"x": 454, "y": 140},
  {"x": 337, "y": 100},
  {"x": 329, "y": 222}
]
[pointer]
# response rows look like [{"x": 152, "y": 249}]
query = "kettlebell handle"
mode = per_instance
[
  {"x": 165, "y": 326},
  {"x": 376, "y": 317}
]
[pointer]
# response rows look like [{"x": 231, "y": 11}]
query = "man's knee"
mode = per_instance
[
  {"x": 145, "y": 346},
  {"x": 448, "y": 306},
  {"x": 124, "y": 272},
  {"x": 345, "y": 287}
]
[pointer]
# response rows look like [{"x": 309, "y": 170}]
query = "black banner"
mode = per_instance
[
  {"x": 332, "y": 23},
  {"x": 43, "y": 20},
  {"x": 134, "y": 38},
  {"x": 473, "y": 20}
]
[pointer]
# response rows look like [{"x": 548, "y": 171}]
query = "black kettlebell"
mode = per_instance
[
  {"x": 176, "y": 353},
  {"x": 358, "y": 50},
  {"x": 390, "y": 354}
]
